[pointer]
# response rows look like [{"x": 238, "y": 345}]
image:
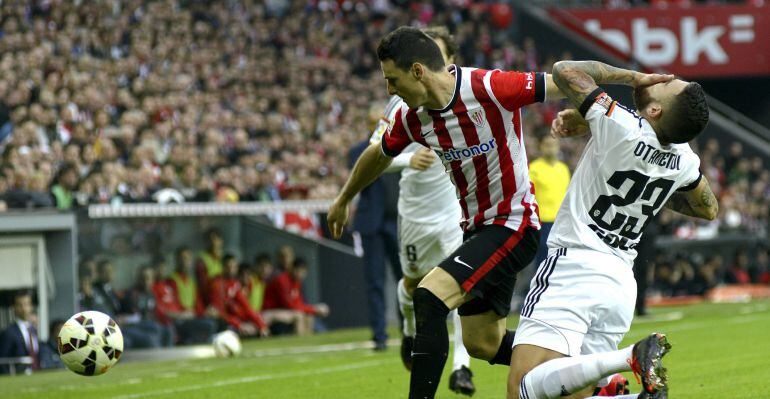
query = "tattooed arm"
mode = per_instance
[
  {"x": 577, "y": 79},
  {"x": 699, "y": 202}
]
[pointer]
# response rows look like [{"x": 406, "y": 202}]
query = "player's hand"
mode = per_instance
[
  {"x": 321, "y": 309},
  {"x": 264, "y": 332},
  {"x": 569, "y": 123},
  {"x": 247, "y": 329},
  {"x": 337, "y": 217},
  {"x": 647, "y": 79},
  {"x": 422, "y": 159}
]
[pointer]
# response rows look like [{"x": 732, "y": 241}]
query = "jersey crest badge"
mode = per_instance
[{"x": 478, "y": 117}]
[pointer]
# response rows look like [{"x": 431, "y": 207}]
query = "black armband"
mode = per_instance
[{"x": 589, "y": 101}]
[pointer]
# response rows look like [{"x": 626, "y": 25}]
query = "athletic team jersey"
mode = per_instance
[
  {"x": 623, "y": 179},
  {"x": 420, "y": 187},
  {"x": 478, "y": 138}
]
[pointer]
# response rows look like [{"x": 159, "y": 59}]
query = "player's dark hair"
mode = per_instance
[
  {"x": 407, "y": 45},
  {"x": 687, "y": 116},
  {"x": 442, "y": 33}
]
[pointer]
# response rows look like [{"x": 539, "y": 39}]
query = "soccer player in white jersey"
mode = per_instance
[
  {"x": 427, "y": 234},
  {"x": 471, "y": 119},
  {"x": 581, "y": 300}
]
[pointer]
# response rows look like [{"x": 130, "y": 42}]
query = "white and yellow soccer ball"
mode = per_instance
[
  {"x": 227, "y": 344},
  {"x": 90, "y": 343}
]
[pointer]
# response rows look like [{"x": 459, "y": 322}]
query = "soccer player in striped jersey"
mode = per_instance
[
  {"x": 427, "y": 234},
  {"x": 581, "y": 300},
  {"x": 471, "y": 119}
]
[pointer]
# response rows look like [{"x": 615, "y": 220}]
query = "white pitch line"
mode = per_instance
[
  {"x": 658, "y": 318},
  {"x": 245, "y": 380},
  {"x": 320, "y": 348}
]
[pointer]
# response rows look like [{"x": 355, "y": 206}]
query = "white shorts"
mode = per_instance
[
  {"x": 423, "y": 246},
  {"x": 580, "y": 302}
]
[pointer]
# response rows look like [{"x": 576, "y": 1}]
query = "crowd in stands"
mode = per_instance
[
  {"x": 204, "y": 293},
  {"x": 684, "y": 274}
]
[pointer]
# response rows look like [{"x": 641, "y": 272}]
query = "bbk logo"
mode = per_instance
[{"x": 656, "y": 46}]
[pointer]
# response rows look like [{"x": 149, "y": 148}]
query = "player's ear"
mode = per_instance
[
  {"x": 418, "y": 70},
  {"x": 654, "y": 110}
]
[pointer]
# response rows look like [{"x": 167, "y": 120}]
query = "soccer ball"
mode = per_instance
[
  {"x": 90, "y": 343},
  {"x": 227, "y": 344}
]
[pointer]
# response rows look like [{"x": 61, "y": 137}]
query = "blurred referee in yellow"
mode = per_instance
[{"x": 551, "y": 178}]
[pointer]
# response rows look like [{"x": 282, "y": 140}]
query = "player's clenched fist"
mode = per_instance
[
  {"x": 569, "y": 123},
  {"x": 337, "y": 217}
]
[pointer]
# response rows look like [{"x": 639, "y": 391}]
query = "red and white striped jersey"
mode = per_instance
[{"x": 479, "y": 139}]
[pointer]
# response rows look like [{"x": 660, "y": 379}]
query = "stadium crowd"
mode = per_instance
[{"x": 137, "y": 101}]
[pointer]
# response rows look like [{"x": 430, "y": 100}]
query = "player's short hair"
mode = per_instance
[
  {"x": 442, "y": 33},
  {"x": 687, "y": 116},
  {"x": 407, "y": 45}
]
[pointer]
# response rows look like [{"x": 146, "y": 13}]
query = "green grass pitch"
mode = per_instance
[{"x": 720, "y": 351}]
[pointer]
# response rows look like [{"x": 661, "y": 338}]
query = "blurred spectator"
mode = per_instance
[
  {"x": 706, "y": 277},
  {"x": 141, "y": 306},
  {"x": 209, "y": 263},
  {"x": 226, "y": 296},
  {"x": 284, "y": 292},
  {"x": 738, "y": 273},
  {"x": 285, "y": 258},
  {"x": 20, "y": 338},
  {"x": 760, "y": 270},
  {"x": 49, "y": 350},
  {"x": 67, "y": 184},
  {"x": 186, "y": 290},
  {"x": 103, "y": 293},
  {"x": 255, "y": 278},
  {"x": 190, "y": 327}
]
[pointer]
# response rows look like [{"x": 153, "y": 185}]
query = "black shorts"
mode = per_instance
[{"x": 486, "y": 263}]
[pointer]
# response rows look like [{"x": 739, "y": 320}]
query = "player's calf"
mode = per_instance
[{"x": 431, "y": 344}]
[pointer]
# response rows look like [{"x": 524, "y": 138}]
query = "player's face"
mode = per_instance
[
  {"x": 403, "y": 84},
  {"x": 661, "y": 93}
]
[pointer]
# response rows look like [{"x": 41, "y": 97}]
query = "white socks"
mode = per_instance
[
  {"x": 564, "y": 376},
  {"x": 406, "y": 304},
  {"x": 460, "y": 357}
]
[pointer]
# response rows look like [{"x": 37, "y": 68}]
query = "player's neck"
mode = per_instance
[
  {"x": 654, "y": 124},
  {"x": 440, "y": 89}
]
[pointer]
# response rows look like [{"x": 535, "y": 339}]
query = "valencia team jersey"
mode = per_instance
[
  {"x": 479, "y": 140},
  {"x": 426, "y": 196},
  {"x": 623, "y": 179}
]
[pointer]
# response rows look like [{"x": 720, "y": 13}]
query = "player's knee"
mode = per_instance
[
  {"x": 428, "y": 306},
  {"x": 410, "y": 284}
]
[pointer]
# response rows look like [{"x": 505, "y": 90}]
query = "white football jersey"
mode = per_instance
[
  {"x": 426, "y": 196},
  {"x": 623, "y": 179}
]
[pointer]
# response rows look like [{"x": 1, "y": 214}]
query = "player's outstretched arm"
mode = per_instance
[
  {"x": 368, "y": 168},
  {"x": 699, "y": 202},
  {"x": 577, "y": 79}
]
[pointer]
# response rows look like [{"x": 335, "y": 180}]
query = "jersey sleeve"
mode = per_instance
[
  {"x": 516, "y": 89},
  {"x": 692, "y": 174},
  {"x": 610, "y": 122},
  {"x": 395, "y": 138}
]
